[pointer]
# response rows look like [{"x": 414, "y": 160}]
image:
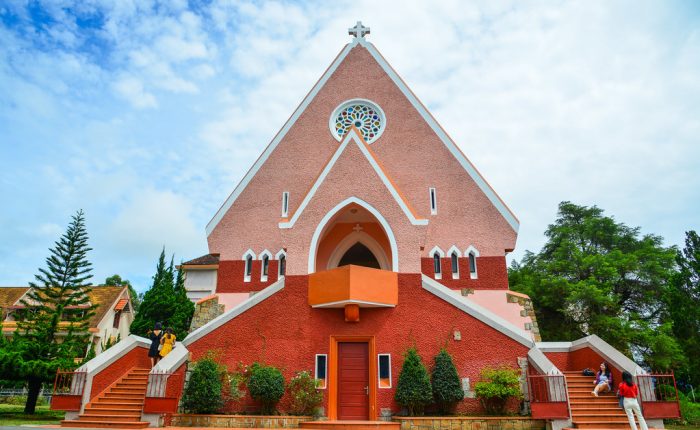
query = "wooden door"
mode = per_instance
[{"x": 353, "y": 381}]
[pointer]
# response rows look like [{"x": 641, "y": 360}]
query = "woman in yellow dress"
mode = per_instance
[{"x": 168, "y": 342}]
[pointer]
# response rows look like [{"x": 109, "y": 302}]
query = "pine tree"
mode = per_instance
[
  {"x": 165, "y": 302},
  {"x": 52, "y": 329},
  {"x": 413, "y": 390},
  {"x": 447, "y": 389}
]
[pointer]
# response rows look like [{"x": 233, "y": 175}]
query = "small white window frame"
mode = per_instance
[
  {"x": 472, "y": 251},
  {"x": 251, "y": 254},
  {"x": 379, "y": 379},
  {"x": 439, "y": 252},
  {"x": 268, "y": 254},
  {"x": 325, "y": 380},
  {"x": 278, "y": 257},
  {"x": 433, "y": 200},
  {"x": 285, "y": 204},
  {"x": 454, "y": 251}
]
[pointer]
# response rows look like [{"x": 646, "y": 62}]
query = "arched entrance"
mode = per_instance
[{"x": 353, "y": 233}]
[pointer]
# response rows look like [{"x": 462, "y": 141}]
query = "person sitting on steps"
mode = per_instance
[{"x": 603, "y": 380}]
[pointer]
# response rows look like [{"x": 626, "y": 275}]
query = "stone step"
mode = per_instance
[
  {"x": 113, "y": 411},
  {"x": 104, "y": 424},
  {"x": 108, "y": 417},
  {"x": 116, "y": 404}
]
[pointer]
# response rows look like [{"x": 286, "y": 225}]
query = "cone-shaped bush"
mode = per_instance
[
  {"x": 203, "y": 391},
  {"x": 447, "y": 389},
  {"x": 413, "y": 390}
]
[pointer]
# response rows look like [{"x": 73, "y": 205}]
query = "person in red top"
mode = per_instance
[{"x": 628, "y": 390}]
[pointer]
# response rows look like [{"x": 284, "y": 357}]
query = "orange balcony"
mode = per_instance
[{"x": 353, "y": 287}]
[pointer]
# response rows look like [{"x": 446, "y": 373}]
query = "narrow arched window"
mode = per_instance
[
  {"x": 265, "y": 265},
  {"x": 248, "y": 265},
  {"x": 455, "y": 263},
  {"x": 436, "y": 264},
  {"x": 472, "y": 264},
  {"x": 283, "y": 265}
]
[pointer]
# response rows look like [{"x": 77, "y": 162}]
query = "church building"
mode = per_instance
[{"x": 362, "y": 230}]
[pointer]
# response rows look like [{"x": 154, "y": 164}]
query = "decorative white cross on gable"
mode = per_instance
[
  {"x": 358, "y": 30},
  {"x": 358, "y": 228}
]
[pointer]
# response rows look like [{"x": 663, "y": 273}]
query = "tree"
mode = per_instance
[
  {"x": 266, "y": 385},
  {"x": 166, "y": 302},
  {"x": 413, "y": 390},
  {"x": 683, "y": 304},
  {"x": 595, "y": 275},
  {"x": 117, "y": 281},
  {"x": 202, "y": 394},
  {"x": 52, "y": 327},
  {"x": 447, "y": 389},
  {"x": 496, "y": 387}
]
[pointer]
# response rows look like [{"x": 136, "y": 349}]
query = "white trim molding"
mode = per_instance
[
  {"x": 439, "y": 131},
  {"x": 313, "y": 248},
  {"x": 249, "y": 253},
  {"x": 359, "y": 237},
  {"x": 278, "y": 138},
  {"x": 352, "y": 136},
  {"x": 325, "y": 380},
  {"x": 234, "y": 312},
  {"x": 479, "y": 312},
  {"x": 285, "y": 204},
  {"x": 263, "y": 276},
  {"x": 379, "y": 366},
  {"x": 433, "y": 200},
  {"x": 344, "y": 105},
  {"x": 363, "y": 303},
  {"x": 438, "y": 251},
  {"x": 278, "y": 256},
  {"x": 454, "y": 251},
  {"x": 468, "y": 253}
]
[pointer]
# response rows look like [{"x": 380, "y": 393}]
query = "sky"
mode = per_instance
[{"x": 146, "y": 114}]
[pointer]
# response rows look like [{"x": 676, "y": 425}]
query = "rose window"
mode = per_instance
[{"x": 367, "y": 117}]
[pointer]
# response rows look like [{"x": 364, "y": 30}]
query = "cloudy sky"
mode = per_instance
[{"x": 146, "y": 114}]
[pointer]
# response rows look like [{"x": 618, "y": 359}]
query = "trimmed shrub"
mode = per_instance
[
  {"x": 266, "y": 385},
  {"x": 304, "y": 393},
  {"x": 202, "y": 393},
  {"x": 496, "y": 387},
  {"x": 447, "y": 388},
  {"x": 413, "y": 390}
]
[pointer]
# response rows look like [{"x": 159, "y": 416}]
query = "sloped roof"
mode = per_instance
[
  {"x": 10, "y": 295},
  {"x": 481, "y": 183},
  {"x": 204, "y": 260}
]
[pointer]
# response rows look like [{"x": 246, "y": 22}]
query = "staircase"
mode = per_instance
[
  {"x": 590, "y": 412},
  {"x": 119, "y": 406}
]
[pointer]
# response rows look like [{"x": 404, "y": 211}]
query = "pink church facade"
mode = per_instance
[{"x": 361, "y": 230}]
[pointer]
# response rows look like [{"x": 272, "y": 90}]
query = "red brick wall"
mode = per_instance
[
  {"x": 137, "y": 357},
  {"x": 231, "y": 275},
  {"x": 581, "y": 359},
  {"x": 560, "y": 359},
  {"x": 176, "y": 382},
  {"x": 285, "y": 331},
  {"x": 492, "y": 273}
]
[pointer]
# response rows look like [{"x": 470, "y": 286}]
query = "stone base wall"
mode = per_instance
[
  {"x": 237, "y": 421},
  {"x": 205, "y": 311},
  {"x": 470, "y": 423}
]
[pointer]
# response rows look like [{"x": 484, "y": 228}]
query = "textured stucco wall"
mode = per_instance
[
  {"x": 492, "y": 273},
  {"x": 285, "y": 331},
  {"x": 410, "y": 152},
  {"x": 231, "y": 276}
]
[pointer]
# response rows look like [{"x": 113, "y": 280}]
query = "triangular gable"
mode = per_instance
[
  {"x": 354, "y": 136},
  {"x": 447, "y": 141}
]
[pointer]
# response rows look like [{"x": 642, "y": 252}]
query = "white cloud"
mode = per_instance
[{"x": 131, "y": 89}]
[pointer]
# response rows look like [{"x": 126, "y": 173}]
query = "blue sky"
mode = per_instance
[{"x": 146, "y": 114}]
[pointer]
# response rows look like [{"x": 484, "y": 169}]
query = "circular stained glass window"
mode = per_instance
[{"x": 364, "y": 115}]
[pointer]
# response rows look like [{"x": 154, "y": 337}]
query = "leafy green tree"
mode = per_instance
[
  {"x": 598, "y": 276},
  {"x": 117, "y": 281},
  {"x": 266, "y": 385},
  {"x": 304, "y": 394},
  {"x": 447, "y": 388},
  {"x": 413, "y": 391},
  {"x": 202, "y": 394},
  {"x": 496, "y": 387},
  {"x": 52, "y": 327},
  {"x": 166, "y": 302},
  {"x": 683, "y": 305}
]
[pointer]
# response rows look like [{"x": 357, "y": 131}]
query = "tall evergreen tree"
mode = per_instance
[
  {"x": 165, "y": 302},
  {"x": 447, "y": 387},
  {"x": 413, "y": 390},
  {"x": 52, "y": 328},
  {"x": 598, "y": 276}
]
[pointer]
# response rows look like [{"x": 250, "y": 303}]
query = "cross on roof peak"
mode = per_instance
[{"x": 358, "y": 30}]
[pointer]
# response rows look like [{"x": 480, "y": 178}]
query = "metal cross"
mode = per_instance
[
  {"x": 358, "y": 228},
  {"x": 358, "y": 30}
]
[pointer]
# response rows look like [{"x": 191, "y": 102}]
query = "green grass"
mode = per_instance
[
  {"x": 13, "y": 415},
  {"x": 680, "y": 427}
]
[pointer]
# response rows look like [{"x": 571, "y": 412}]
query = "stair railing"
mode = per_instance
[
  {"x": 549, "y": 397},
  {"x": 658, "y": 395},
  {"x": 68, "y": 389}
]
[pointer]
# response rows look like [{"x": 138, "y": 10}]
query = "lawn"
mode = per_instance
[
  {"x": 12, "y": 415},
  {"x": 679, "y": 427}
]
